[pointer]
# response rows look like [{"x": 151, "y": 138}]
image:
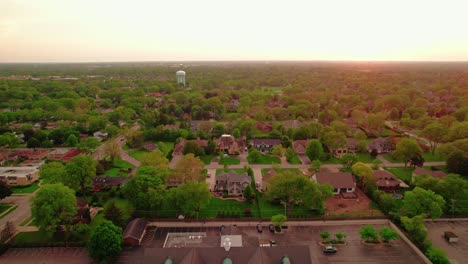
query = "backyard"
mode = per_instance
[
  {"x": 402, "y": 173},
  {"x": 120, "y": 168},
  {"x": 264, "y": 159},
  {"x": 229, "y": 161},
  {"x": 25, "y": 189}
]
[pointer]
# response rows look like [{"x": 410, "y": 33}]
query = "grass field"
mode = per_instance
[
  {"x": 402, "y": 173},
  {"x": 25, "y": 189},
  {"x": 136, "y": 154},
  {"x": 4, "y": 207},
  {"x": 264, "y": 159},
  {"x": 428, "y": 157},
  {"x": 218, "y": 171},
  {"x": 294, "y": 160},
  {"x": 120, "y": 168},
  {"x": 391, "y": 159},
  {"x": 207, "y": 159},
  {"x": 217, "y": 205},
  {"x": 124, "y": 205},
  {"x": 165, "y": 147},
  {"x": 229, "y": 161}
]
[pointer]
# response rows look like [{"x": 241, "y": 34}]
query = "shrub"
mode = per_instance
[{"x": 325, "y": 235}]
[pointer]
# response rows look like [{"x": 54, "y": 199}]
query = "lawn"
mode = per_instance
[
  {"x": 391, "y": 159},
  {"x": 4, "y": 207},
  {"x": 361, "y": 157},
  {"x": 218, "y": 171},
  {"x": 217, "y": 206},
  {"x": 25, "y": 189},
  {"x": 124, "y": 204},
  {"x": 207, "y": 159},
  {"x": 136, "y": 154},
  {"x": 166, "y": 148},
  {"x": 428, "y": 157},
  {"x": 332, "y": 160},
  {"x": 402, "y": 173},
  {"x": 294, "y": 160},
  {"x": 229, "y": 161},
  {"x": 120, "y": 168},
  {"x": 264, "y": 159},
  {"x": 26, "y": 221},
  {"x": 293, "y": 170}
]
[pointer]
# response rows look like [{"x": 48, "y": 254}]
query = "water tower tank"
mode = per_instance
[{"x": 180, "y": 77}]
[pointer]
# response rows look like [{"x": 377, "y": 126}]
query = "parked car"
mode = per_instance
[
  {"x": 271, "y": 228},
  {"x": 259, "y": 228},
  {"x": 273, "y": 243},
  {"x": 330, "y": 250}
]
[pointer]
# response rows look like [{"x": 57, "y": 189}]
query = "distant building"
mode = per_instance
[
  {"x": 180, "y": 77},
  {"x": 18, "y": 176},
  {"x": 386, "y": 181},
  {"x": 229, "y": 144}
]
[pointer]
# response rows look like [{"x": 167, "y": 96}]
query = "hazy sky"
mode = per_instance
[{"x": 137, "y": 30}]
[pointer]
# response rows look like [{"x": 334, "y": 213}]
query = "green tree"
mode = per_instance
[
  {"x": 53, "y": 205},
  {"x": 278, "y": 220},
  {"x": 437, "y": 255},
  {"x": 324, "y": 235},
  {"x": 368, "y": 233},
  {"x": 406, "y": 149},
  {"x": 315, "y": 166},
  {"x": 72, "y": 141},
  {"x": 145, "y": 191},
  {"x": 255, "y": 156},
  {"x": 114, "y": 214},
  {"x": 434, "y": 133},
  {"x": 278, "y": 150},
  {"x": 33, "y": 143},
  {"x": 80, "y": 172},
  {"x": 457, "y": 163},
  {"x": 362, "y": 171},
  {"x": 89, "y": 144},
  {"x": 314, "y": 150},
  {"x": 421, "y": 201},
  {"x": 340, "y": 236},
  {"x": 248, "y": 194},
  {"x": 53, "y": 172},
  {"x": 294, "y": 189},
  {"x": 5, "y": 190},
  {"x": 156, "y": 159},
  {"x": 387, "y": 234},
  {"x": 416, "y": 228},
  {"x": 112, "y": 149},
  {"x": 333, "y": 139},
  {"x": 193, "y": 147},
  {"x": 348, "y": 160},
  {"x": 105, "y": 241},
  {"x": 236, "y": 133},
  {"x": 188, "y": 168},
  {"x": 190, "y": 197}
]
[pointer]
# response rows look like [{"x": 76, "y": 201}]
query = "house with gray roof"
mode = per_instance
[{"x": 232, "y": 182}]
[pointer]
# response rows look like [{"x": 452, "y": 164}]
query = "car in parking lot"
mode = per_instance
[
  {"x": 259, "y": 228},
  {"x": 329, "y": 250}
]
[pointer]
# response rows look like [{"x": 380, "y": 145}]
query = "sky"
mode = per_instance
[{"x": 206, "y": 30}]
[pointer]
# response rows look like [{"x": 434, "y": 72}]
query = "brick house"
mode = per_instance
[
  {"x": 229, "y": 144},
  {"x": 350, "y": 148},
  {"x": 232, "y": 182},
  {"x": 19, "y": 176},
  {"x": 382, "y": 145}
]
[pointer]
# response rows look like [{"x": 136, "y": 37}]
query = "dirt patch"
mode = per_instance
[{"x": 360, "y": 206}]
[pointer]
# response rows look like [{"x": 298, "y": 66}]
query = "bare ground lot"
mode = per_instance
[
  {"x": 307, "y": 236},
  {"x": 457, "y": 252},
  {"x": 351, "y": 207}
]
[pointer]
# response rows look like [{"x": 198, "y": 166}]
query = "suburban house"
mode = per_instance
[
  {"x": 382, "y": 145},
  {"x": 135, "y": 231},
  {"x": 105, "y": 182},
  {"x": 229, "y": 144},
  {"x": 266, "y": 178},
  {"x": 386, "y": 181},
  {"x": 232, "y": 182},
  {"x": 351, "y": 147},
  {"x": 149, "y": 146},
  {"x": 19, "y": 176},
  {"x": 299, "y": 146},
  {"x": 422, "y": 171},
  {"x": 100, "y": 135},
  {"x": 265, "y": 145},
  {"x": 264, "y": 127},
  {"x": 32, "y": 154},
  {"x": 342, "y": 182}
]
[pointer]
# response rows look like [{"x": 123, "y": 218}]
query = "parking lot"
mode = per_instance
[
  {"x": 305, "y": 236},
  {"x": 457, "y": 252},
  {"x": 49, "y": 255}
]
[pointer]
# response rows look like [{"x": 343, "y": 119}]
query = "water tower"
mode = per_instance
[{"x": 180, "y": 77}]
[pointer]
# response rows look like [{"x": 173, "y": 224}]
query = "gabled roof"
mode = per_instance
[
  {"x": 135, "y": 228},
  {"x": 336, "y": 179},
  {"x": 266, "y": 141},
  {"x": 233, "y": 176},
  {"x": 385, "y": 179},
  {"x": 299, "y": 146}
]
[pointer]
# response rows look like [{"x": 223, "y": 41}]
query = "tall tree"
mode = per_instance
[
  {"x": 145, "y": 191},
  {"x": 5, "y": 190},
  {"x": 106, "y": 241},
  {"x": 80, "y": 172},
  {"x": 434, "y": 133},
  {"x": 406, "y": 149},
  {"x": 314, "y": 150},
  {"x": 155, "y": 158},
  {"x": 421, "y": 201},
  {"x": 53, "y": 172},
  {"x": 112, "y": 149},
  {"x": 188, "y": 168},
  {"x": 294, "y": 189},
  {"x": 114, "y": 214},
  {"x": 190, "y": 197},
  {"x": 53, "y": 205}
]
